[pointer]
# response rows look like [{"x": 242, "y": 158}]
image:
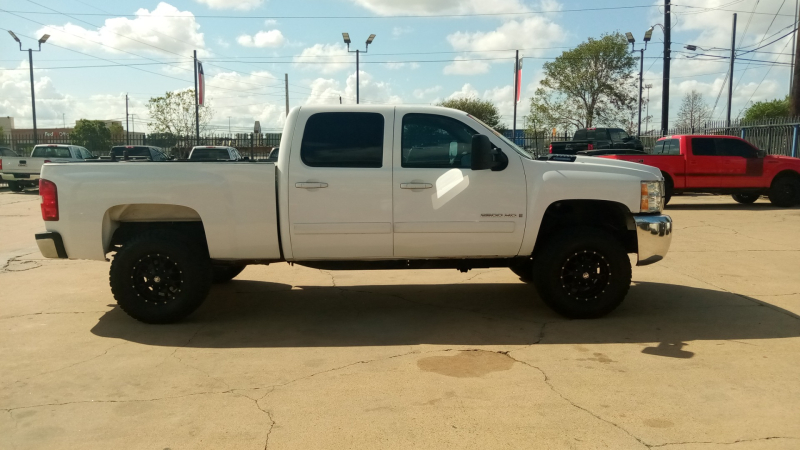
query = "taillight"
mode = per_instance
[
  {"x": 590, "y": 147},
  {"x": 1, "y": 164},
  {"x": 49, "y": 194},
  {"x": 46, "y": 161},
  {"x": 551, "y": 148}
]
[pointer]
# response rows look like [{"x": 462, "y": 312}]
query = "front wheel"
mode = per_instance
[
  {"x": 523, "y": 271},
  {"x": 159, "y": 277},
  {"x": 15, "y": 186},
  {"x": 582, "y": 273},
  {"x": 745, "y": 199},
  {"x": 785, "y": 192}
]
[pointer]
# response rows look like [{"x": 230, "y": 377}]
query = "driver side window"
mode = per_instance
[{"x": 432, "y": 141}]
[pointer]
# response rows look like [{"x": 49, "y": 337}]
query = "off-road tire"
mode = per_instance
[
  {"x": 160, "y": 277},
  {"x": 745, "y": 199},
  {"x": 669, "y": 188},
  {"x": 785, "y": 192},
  {"x": 224, "y": 273},
  {"x": 15, "y": 186},
  {"x": 524, "y": 271},
  {"x": 582, "y": 273}
]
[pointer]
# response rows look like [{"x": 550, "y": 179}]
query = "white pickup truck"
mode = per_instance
[
  {"x": 20, "y": 172},
  {"x": 361, "y": 187}
]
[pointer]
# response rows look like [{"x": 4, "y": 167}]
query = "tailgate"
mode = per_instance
[{"x": 12, "y": 164}]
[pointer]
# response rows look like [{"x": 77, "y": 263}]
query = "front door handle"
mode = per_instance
[
  {"x": 415, "y": 185},
  {"x": 309, "y": 185}
]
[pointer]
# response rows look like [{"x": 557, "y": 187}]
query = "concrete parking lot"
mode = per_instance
[{"x": 703, "y": 354}]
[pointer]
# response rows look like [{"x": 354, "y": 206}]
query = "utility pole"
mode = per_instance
[
  {"x": 196, "y": 101},
  {"x": 665, "y": 88},
  {"x": 794, "y": 39},
  {"x": 516, "y": 89},
  {"x": 647, "y": 114},
  {"x": 286, "y": 79},
  {"x": 794, "y": 102},
  {"x": 229, "y": 125},
  {"x": 730, "y": 78},
  {"x": 358, "y": 82},
  {"x": 127, "y": 125},
  {"x": 641, "y": 69}
]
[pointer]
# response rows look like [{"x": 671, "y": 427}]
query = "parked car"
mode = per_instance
[
  {"x": 362, "y": 187},
  {"x": 138, "y": 152},
  {"x": 5, "y": 151},
  {"x": 597, "y": 139},
  {"x": 21, "y": 172},
  {"x": 273, "y": 155},
  {"x": 215, "y": 153},
  {"x": 722, "y": 165}
]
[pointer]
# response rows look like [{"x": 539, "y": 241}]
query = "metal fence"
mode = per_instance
[
  {"x": 775, "y": 136},
  {"x": 256, "y": 146}
]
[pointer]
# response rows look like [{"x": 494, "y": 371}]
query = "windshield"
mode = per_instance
[
  {"x": 132, "y": 151},
  {"x": 503, "y": 138},
  {"x": 210, "y": 153},
  {"x": 51, "y": 152}
]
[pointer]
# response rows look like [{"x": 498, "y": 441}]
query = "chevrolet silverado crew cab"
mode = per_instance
[
  {"x": 723, "y": 165},
  {"x": 357, "y": 188},
  {"x": 20, "y": 172}
]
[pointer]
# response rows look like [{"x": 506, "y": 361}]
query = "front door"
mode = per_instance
[
  {"x": 442, "y": 208},
  {"x": 340, "y": 185}
]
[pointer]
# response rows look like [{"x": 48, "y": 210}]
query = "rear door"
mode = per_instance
[
  {"x": 340, "y": 185},
  {"x": 741, "y": 164},
  {"x": 442, "y": 208},
  {"x": 704, "y": 167}
]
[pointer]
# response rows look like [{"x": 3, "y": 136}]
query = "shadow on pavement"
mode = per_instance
[
  {"x": 246, "y": 314},
  {"x": 761, "y": 206}
]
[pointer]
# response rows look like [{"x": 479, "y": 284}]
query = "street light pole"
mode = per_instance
[
  {"x": 42, "y": 40},
  {"x": 346, "y": 37},
  {"x": 631, "y": 40},
  {"x": 730, "y": 79},
  {"x": 647, "y": 114}
]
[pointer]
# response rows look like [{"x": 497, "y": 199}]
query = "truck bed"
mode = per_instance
[{"x": 236, "y": 203}]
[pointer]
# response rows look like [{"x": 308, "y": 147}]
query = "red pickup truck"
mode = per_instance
[{"x": 722, "y": 165}]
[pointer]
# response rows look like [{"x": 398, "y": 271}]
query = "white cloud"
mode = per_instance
[
  {"x": 262, "y": 39},
  {"x": 422, "y": 93},
  {"x": 164, "y": 28},
  {"x": 270, "y": 22},
  {"x": 399, "y": 31},
  {"x": 242, "y": 5},
  {"x": 245, "y": 100},
  {"x": 328, "y": 91},
  {"x": 464, "y": 66},
  {"x": 426, "y": 7},
  {"x": 335, "y": 55}
]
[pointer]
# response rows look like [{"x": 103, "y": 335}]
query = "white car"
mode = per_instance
[
  {"x": 20, "y": 172},
  {"x": 215, "y": 153},
  {"x": 361, "y": 187}
]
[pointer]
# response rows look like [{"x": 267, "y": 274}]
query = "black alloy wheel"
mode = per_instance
[
  {"x": 785, "y": 191},
  {"x": 582, "y": 272},
  {"x": 160, "y": 277}
]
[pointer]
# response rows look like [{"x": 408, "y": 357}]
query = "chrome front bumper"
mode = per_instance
[{"x": 654, "y": 234}]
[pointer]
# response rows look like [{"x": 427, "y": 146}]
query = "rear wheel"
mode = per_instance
[
  {"x": 785, "y": 191},
  {"x": 582, "y": 273},
  {"x": 15, "y": 186},
  {"x": 225, "y": 273},
  {"x": 159, "y": 277},
  {"x": 745, "y": 199}
]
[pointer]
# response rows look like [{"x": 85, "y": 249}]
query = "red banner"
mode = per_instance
[
  {"x": 201, "y": 85},
  {"x": 518, "y": 79}
]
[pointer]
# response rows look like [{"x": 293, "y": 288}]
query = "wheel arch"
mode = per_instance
[
  {"x": 784, "y": 174},
  {"x": 123, "y": 222},
  {"x": 610, "y": 216}
]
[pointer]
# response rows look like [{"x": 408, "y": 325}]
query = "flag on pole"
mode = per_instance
[
  {"x": 201, "y": 85},
  {"x": 518, "y": 80}
]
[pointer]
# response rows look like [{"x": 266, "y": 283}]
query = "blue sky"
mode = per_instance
[{"x": 464, "y": 49}]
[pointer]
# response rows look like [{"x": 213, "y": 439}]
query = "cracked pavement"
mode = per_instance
[{"x": 703, "y": 354}]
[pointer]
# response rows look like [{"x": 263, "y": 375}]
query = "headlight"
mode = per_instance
[{"x": 652, "y": 196}]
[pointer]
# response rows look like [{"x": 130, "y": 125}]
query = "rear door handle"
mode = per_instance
[
  {"x": 415, "y": 185},
  {"x": 309, "y": 185}
]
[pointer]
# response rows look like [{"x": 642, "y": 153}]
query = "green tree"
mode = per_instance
[
  {"x": 593, "y": 84},
  {"x": 174, "y": 113},
  {"x": 484, "y": 110},
  {"x": 767, "y": 109},
  {"x": 117, "y": 132},
  {"x": 2, "y": 136},
  {"x": 92, "y": 134},
  {"x": 163, "y": 140}
]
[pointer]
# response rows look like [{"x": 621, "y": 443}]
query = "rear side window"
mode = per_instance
[
  {"x": 658, "y": 148},
  {"x": 132, "y": 151},
  {"x": 345, "y": 139},
  {"x": 51, "y": 152},
  {"x": 704, "y": 147},
  {"x": 672, "y": 147}
]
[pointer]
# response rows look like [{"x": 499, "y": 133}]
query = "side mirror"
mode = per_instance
[
  {"x": 481, "y": 153},
  {"x": 761, "y": 153}
]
